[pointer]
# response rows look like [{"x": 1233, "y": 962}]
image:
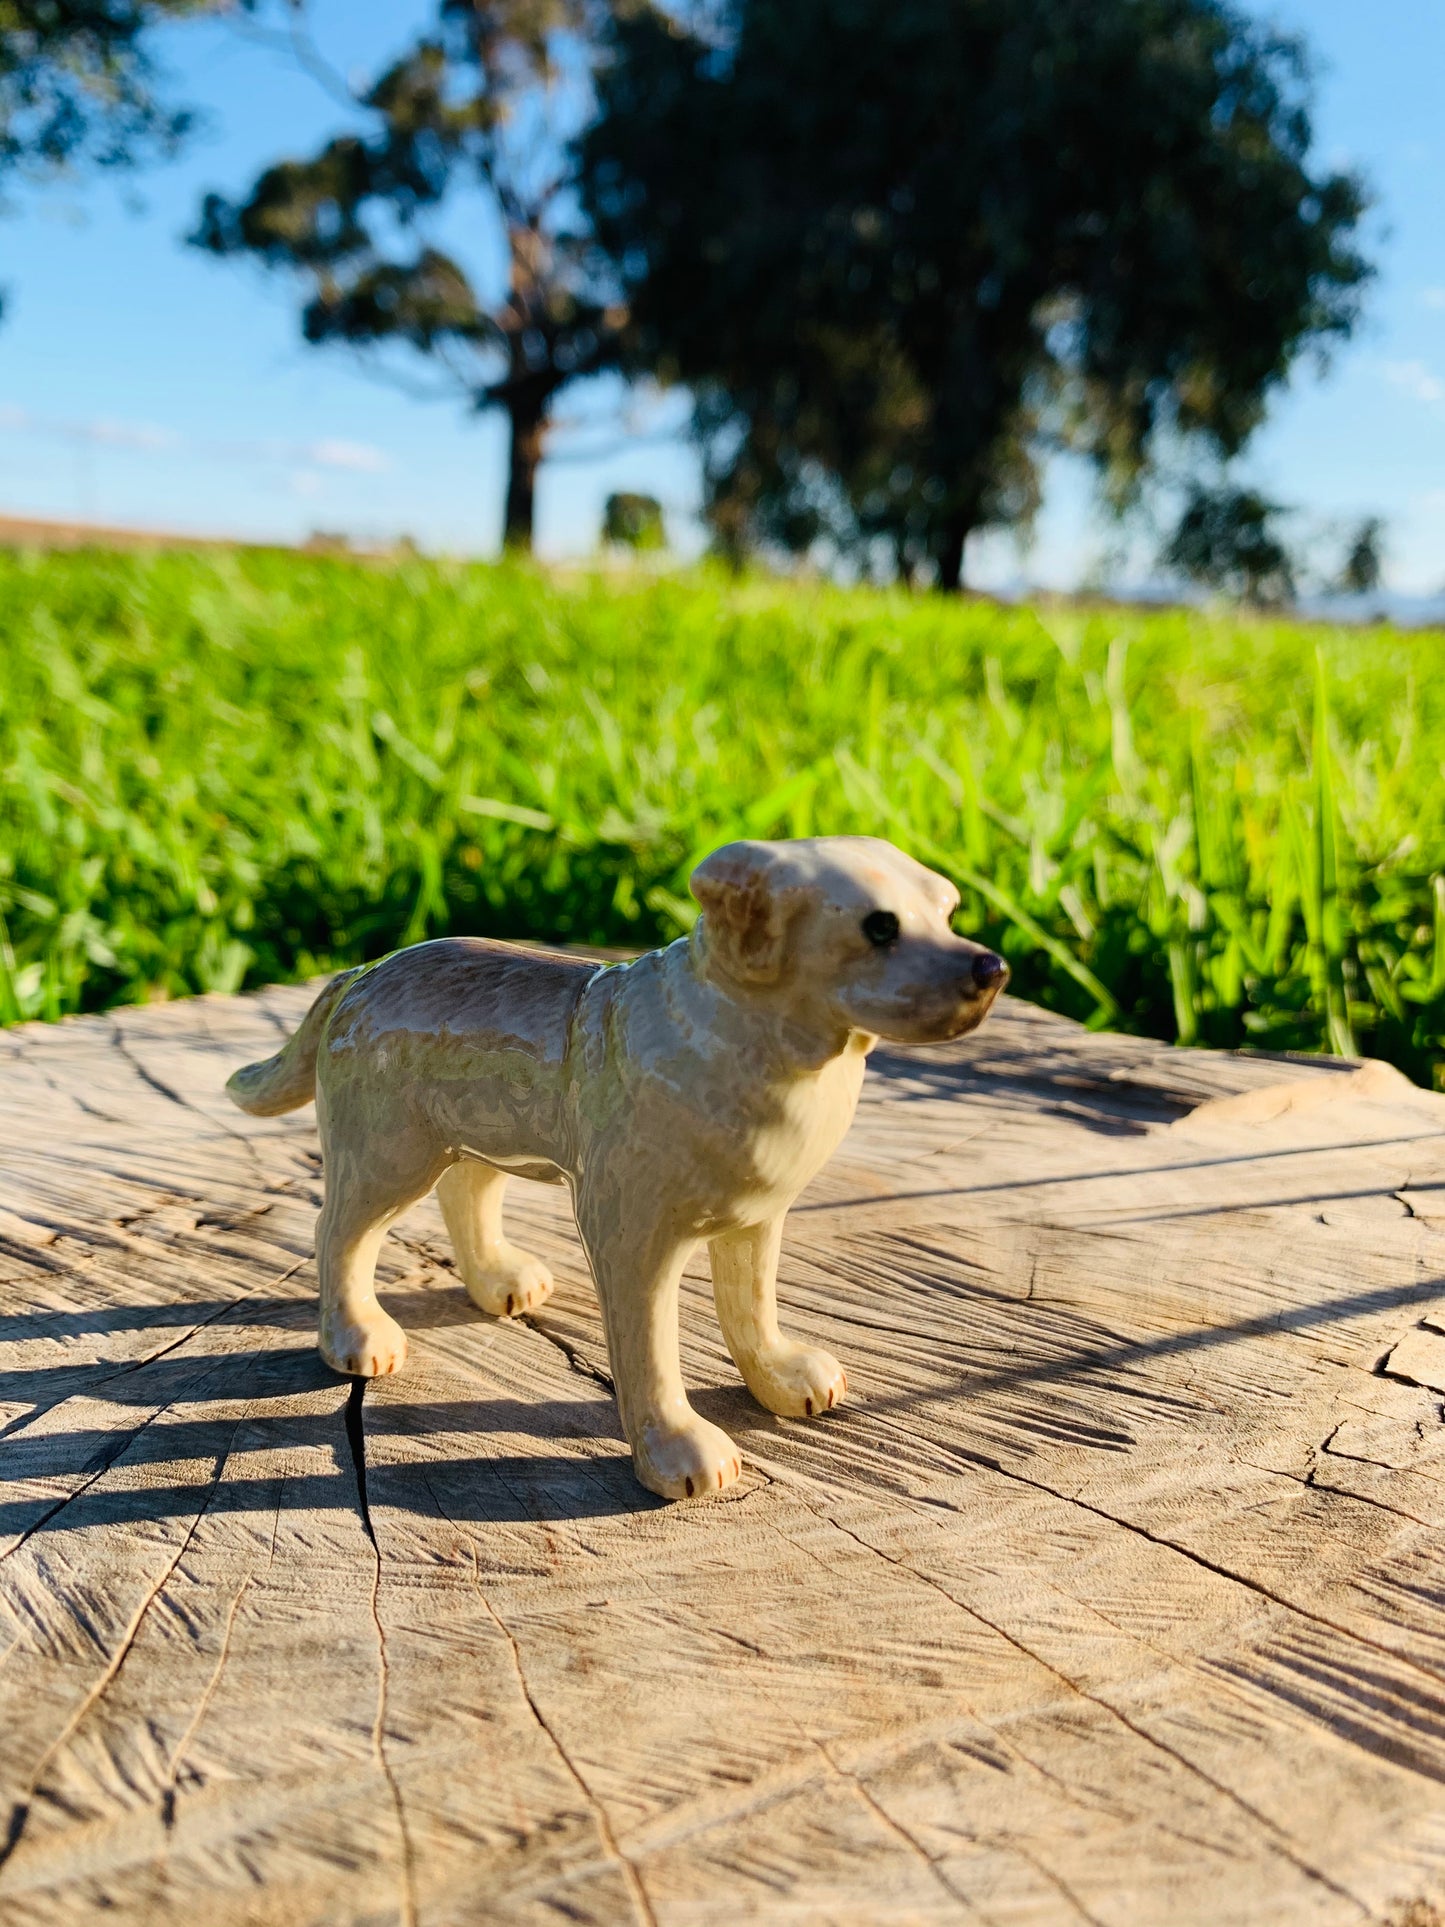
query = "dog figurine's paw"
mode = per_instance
[
  {"x": 368, "y": 1350},
  {"x": 685, "y": 1461},
  {"x": 512, "y": 1283},
  {"x": 797, "y": 1381}
]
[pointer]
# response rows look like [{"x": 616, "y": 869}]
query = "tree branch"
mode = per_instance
[
  {"x": 414, "y": 390},
  {"x": 298, "y": 44}
]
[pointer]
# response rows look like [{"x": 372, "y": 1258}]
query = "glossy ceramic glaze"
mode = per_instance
[{"x": 688, "y": 1095}]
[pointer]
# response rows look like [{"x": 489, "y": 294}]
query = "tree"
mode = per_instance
[
  {"x": 1228, "y": 539},
  {"x": 484, "y": 105},
  {"x": 77, "y": 85},
  {"x": 901, "y": 248},
  {"x": 633, "y": 522},
  {"x": 1362, "y": 567}
]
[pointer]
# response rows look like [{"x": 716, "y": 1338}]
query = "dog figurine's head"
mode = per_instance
[{"x": 844, "y": 932}]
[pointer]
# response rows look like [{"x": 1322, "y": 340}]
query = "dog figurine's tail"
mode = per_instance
[{"x": 288, "y": 1080}]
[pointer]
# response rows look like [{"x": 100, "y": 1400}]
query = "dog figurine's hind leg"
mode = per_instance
[
  {"x": 368, "y": 1186},
  {"x": 500, "y": 1278}
]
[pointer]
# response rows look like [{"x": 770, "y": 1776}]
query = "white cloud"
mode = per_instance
[
  {"x": 1416, "y": 379},
  {"x": 104, "y": 431},
  {"x": 1434, "y": 297},
  {"x": 307, "y": 484},
  {"x": 361, "y": 457},
  {"x": 114, "y": 434}
]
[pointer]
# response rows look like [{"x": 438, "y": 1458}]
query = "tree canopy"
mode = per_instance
[
  {"x": 1363, "y": 565},
  {"x": 482, "y": 106},
  {"x": 77, "y": 83},
  {"x": 1228, "y": 539},
  {"x": 633, "y": 521},
  {"x": 901, "y": 248}
]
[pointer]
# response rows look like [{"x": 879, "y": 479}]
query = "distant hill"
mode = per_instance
[{"x": 40, "y": 532}]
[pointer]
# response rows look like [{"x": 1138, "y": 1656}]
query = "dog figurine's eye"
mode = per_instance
[{"x": 880, "y": 927}]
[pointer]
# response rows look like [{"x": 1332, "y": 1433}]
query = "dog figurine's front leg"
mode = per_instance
[
  {"x": 675, "y": 1453},
  {"x": 500, "y": 1278},
  {"x": 791, "y": 1379}
]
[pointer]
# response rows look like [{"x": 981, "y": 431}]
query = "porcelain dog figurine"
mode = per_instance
[{"x": 690, "y": 1094}]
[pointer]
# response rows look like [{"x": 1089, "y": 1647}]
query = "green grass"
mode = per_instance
[{"x": 223, "y": 770}]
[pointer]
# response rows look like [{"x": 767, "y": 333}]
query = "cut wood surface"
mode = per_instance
[{"x": 1115, "y": 1594}]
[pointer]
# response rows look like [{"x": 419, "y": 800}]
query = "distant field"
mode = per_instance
[{"x": 221, "y": 770}]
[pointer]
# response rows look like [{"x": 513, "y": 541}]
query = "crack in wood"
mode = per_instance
[
  {"x": 159, "y": 1085},
  {"x": 1112, "y": 1174},
  {"x": 1278, "y": 1840},
  {"x": 900, "y": 1832},
  {"x": 576, "y": 1359},
  {"x": 627, "y": 1869},
  {"x": 107, "y": 1460},
  {"x": 21, "y": 1809},
  {"x": 178, "y": 1752},
  {"x": 81, "y": 1104},
  {"x": 355, "y": 1429},
  {"x": 1198, "y": 1559},
  {"x": 626, "y": 1866},
  {"x": 356, "y": 1442},
  {"x": 1313, "y": 1483},
  {"x": 94, "y": 1385}
]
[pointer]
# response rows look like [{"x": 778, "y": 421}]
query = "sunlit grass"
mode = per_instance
[{"x": 218, "y": 771}]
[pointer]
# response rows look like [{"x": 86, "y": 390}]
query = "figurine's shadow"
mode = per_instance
[
  {"x": 511, "y": 1488},
  {"x": 581, "y": 1468},
  {"x": 473, "y": 1458},
  {"x": 734, "y": 1408}
]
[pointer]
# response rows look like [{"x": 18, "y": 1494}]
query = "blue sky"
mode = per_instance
[{"x": 142, "y": 382}]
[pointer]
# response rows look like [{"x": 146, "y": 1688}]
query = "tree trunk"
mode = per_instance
[
  {"x": 524, "y": 459},
  {"x": 949, "y": 555}
]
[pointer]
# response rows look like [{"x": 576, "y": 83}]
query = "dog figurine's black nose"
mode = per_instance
[{"x": 989, "y": 972}]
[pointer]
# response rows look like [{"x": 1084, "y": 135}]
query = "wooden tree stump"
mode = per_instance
[{"x": 1115, "y": 1594}]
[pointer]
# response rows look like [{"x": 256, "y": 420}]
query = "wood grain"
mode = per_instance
[{"x": 1116, "y": 1594}]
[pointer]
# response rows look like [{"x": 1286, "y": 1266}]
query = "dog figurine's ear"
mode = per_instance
[{"x": 747, "y": 905}]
